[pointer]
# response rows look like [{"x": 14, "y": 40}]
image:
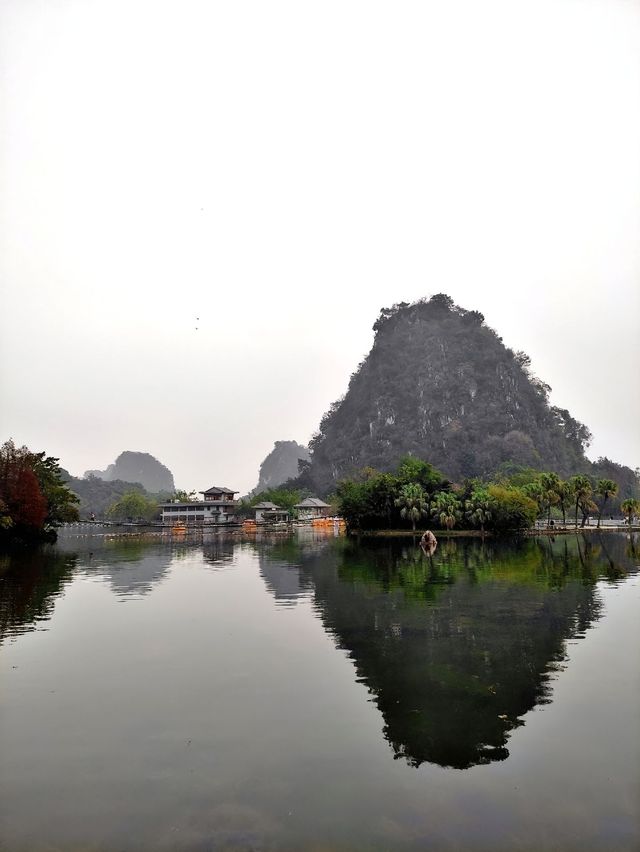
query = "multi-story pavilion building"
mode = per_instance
[{"x": 217, "y": 507}]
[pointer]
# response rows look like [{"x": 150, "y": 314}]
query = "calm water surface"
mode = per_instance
[{"x": 314, "y": 693}]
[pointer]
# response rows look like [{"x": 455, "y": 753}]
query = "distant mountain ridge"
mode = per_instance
[
  {"x": 97, "y": 495},
  {"x": 282, "y": 464},
  {"x": 138, "y": 467},
  {"x": 440, "y": 384}
]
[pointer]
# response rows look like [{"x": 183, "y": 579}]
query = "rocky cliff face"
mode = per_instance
[
  {"x": 138, "y": 467},
  {"x": 282, "y": 463},
  {"x": 439, "y": 384}
]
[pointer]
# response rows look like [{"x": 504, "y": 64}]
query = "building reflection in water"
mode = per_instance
[{"x": 455, "y": 647}]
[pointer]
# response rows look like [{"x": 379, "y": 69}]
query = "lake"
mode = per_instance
[{"x": 312, "y": 692}]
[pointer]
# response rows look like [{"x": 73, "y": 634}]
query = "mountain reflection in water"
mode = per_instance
[{"x": 454, "y": 647}]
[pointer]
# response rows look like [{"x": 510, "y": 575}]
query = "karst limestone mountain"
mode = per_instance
[
  {"x": 138, "y": 467},
  {"x": 284, "y": 462},
  {"x": 440, "y": 384}
]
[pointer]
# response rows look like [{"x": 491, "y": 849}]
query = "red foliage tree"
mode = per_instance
[
  {"x": 20, "y": 492},
  {"x": 26, "y": 501}
]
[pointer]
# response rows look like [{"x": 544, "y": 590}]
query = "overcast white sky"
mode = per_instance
[{"x": 282, "y": 170}]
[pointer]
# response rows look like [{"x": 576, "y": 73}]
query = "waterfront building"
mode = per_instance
[
  {"x": 217, "y": 507},
  {"x": 312, "y": 507},
  {"x": 269, "y": 513}
]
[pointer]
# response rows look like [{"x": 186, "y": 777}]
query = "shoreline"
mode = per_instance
[
  {"x": 160, "y": 532},
  {"x": 530, "y": 533}
]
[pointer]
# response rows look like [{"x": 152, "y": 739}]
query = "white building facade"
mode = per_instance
[{"x": 217, "y": 507}]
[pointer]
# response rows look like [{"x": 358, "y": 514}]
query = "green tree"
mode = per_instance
[
  {"x": 34, "y": 498},
  {"x": 446, "y": 509},
  {"x": 582, "y": 491},
  {"x": 412, "y": 469},
  {"x": 605, "y": 488},
  {"x": 352, "y": 502},
  {"x": 631, "y": 507},
  {"x": 535, "y": 492},
  {"x": 512, "y": 509},
  {"x": 382, "y": 491},
  {"x": 564, "y": 490},
  {"x": 550, "y": 482},
  {"x": 133, "y": 506},
  {"x": 412, "y": 503},
  {"x": 284, "y": 498},
  {"x": 478, "y": 508},
  {"x": 180, "y": 496},
  {"x": 62, "y": 503}
]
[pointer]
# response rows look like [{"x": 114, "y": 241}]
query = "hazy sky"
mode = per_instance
[{"x": 282, "y": 170}]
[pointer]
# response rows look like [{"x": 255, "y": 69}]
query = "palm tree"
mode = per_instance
[
  {"x": 565, "y": 493},
  {"x": 550, "y": 483},
  {"x": 631, "y": 507},
  {"x": 446, "y": 508},
  {"x": 582, "y": 490},
  {"x": 605, "y": 488},
  {"x": 412, "y": 502},
  {"x": 478, "y": 508},
  {"x": 535, "y": 492}
]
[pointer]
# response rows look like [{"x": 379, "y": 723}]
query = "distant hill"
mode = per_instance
[
  {"x": 440, "y": 384},
  {"x": 96, "y": 495},
  {"x": 282, "y": 463},
  {"x": 142, "y": 468}
]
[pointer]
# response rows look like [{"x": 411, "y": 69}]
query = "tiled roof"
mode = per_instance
[
  {"x": 266, "y": 505},
  {"x": 216, "y": 490},
  {"x": 312, "y": 502}
]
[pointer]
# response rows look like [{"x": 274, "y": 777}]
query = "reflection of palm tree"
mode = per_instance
[
  {"x": 580, "y": 555},
  {"x": 614, "y": 570}
]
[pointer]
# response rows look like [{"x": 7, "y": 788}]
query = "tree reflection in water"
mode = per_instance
[
  {"x": 455, "y": 647},
  {"x": 30, "y": 582}
]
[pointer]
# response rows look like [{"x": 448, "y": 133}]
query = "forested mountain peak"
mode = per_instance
[
  {"x": 282, "y": 463},
  {"x": 138, "y": 467},
  {"x": 440, "y": 384}
]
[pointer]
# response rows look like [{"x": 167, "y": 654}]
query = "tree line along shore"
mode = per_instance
[
  {"x": 35, "y": 500},
  {"x": 512, "y": 501}
]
